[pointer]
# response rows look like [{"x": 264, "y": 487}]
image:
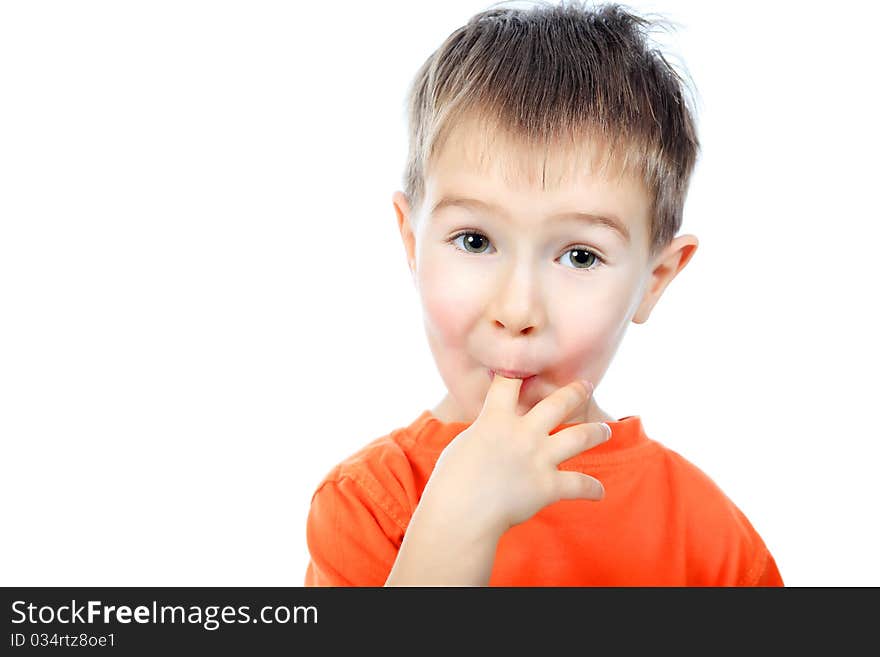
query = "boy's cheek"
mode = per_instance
[
  {"x": 595, "y": 343},
  {"x": 447, "y": 318},
  {"x": 599, "y": 312},
  {"x": 450, "y": 305}
]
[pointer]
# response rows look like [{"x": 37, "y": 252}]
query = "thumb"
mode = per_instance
[{"x": 503, "y": 394}]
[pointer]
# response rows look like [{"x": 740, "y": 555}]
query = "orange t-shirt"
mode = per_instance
[{"x": 662, "y": 522}]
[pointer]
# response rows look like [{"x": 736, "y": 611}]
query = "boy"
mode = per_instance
[{"x": 550, "y": 156}]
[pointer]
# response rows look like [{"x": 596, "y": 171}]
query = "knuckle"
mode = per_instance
[
  {"x": 596, "y": 432},
  {"x": 548, "y": 485},
  {"x": 585, "y": 438},
  {"x": 588, "y": 434},
  {"x": 557, "y": 488},
  {"x": 576, "y": 394}
]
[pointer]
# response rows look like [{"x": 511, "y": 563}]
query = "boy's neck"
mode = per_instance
[{"x": 449, "y": 411}]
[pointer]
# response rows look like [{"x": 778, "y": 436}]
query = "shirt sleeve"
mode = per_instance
[
  {"x": 762, "y": 570},
  {"x": 769, "y": 574},
  {"x": 354, "y": 531}
]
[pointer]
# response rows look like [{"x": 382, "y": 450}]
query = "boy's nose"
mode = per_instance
[{"x": 516, "y": 308}]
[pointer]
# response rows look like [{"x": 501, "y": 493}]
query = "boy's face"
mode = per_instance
[{"x": 510, "y": 286}]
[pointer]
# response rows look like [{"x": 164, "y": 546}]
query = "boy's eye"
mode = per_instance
[
  {"x": 581, "y": 257},
  {"x": 473, "y": 242}
]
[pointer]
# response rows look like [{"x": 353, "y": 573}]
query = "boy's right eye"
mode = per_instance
[{"x": 472, "y": 241}]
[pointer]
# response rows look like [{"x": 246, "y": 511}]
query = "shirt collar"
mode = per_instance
[{"x": 627, "y": 436}]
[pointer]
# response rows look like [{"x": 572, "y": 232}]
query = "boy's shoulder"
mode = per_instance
[
  {"x": 726, "y": 538},
  {"x": 705, "y": 497},
  {"x": 385, "y": 471}
]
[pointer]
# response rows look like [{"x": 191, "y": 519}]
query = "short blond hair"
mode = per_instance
[{"x": 560, "y": 76}]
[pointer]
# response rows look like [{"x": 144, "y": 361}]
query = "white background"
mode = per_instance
[{"x": 205, "y": 305}]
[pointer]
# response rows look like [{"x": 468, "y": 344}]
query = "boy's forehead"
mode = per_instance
[
  {"x": 481, "y": 149},
  {"x": 493, "y": 167}
]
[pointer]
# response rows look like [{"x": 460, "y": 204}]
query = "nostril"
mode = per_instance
[{"x": 524, "y": 331}]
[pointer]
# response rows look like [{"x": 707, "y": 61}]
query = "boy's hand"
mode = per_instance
[{"x": 502, "y": 469}]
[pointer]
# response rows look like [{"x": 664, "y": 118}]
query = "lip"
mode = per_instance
[{"x": 511, "y": 374}]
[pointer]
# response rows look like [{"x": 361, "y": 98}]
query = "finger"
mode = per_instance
[
  {"x": 564, "y": 444},
  {"x": 503, "y": 394},
  {"x": 572, "y": 485},
  {"x": 559, "y": 405}
]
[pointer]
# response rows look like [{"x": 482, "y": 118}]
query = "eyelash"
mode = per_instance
[{"x": 577, "y": 247}]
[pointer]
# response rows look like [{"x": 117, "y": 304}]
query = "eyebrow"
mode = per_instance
[{"x": 609, "y": 221}]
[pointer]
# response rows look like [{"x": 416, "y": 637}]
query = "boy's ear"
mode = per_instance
[
  {"x": 404, "y": 225},
  {"x": 665, "y": 267}
]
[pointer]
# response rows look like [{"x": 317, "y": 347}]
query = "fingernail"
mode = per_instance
[
  {"x": 607, "y": 430},
  {"x": 588, "y": 386}
]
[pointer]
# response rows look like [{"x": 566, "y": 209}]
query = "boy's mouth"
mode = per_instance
[{"x": 511, "y": 374}]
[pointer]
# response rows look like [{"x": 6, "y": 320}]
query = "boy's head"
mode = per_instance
[{"x": 520, "y": 120}]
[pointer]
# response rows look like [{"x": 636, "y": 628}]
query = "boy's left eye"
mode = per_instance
[
  {"x": 582, "y": 256},
  {"x": 476, "y": 241}
]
